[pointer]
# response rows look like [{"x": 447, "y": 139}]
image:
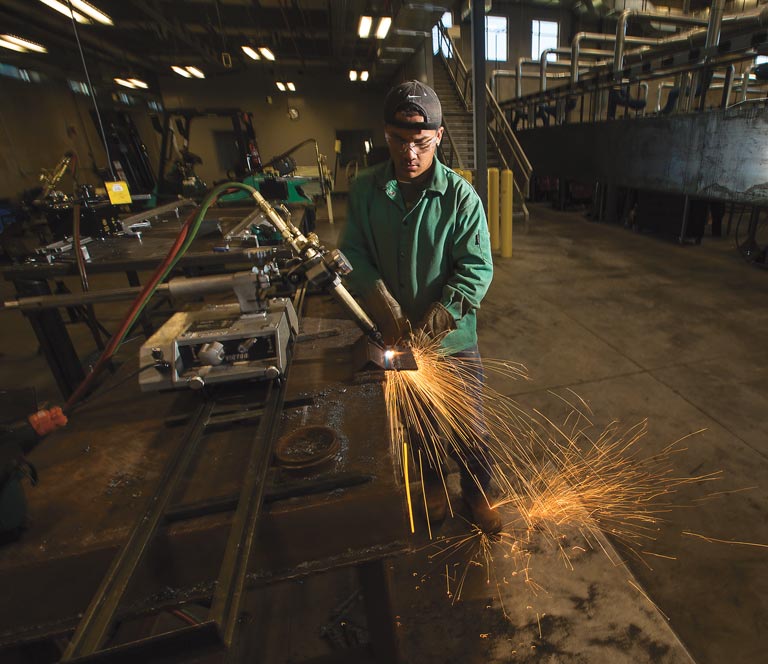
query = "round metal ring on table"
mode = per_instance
[{"x": 306, "y": 447}]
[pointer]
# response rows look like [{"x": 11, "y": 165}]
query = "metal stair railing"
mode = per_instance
[
  {"x": 455, "y": 66},
  {"x": 507, "y": 146},
  {"x": 519, "y": 196},
  {"x": 448, "y": 156}
]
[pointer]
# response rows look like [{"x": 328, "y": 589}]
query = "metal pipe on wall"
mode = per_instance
[
  {"x": 603, "y": 38},
  {"x": 621, "y": 29}
]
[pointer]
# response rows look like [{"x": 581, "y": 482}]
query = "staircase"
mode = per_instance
[
  {"x": 458, "y": 121},
  {"x": 453, "y": 84}
]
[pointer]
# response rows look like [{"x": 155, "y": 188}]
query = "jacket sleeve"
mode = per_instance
[
  {"x": 471, "y": 259},
  {"x": 355, "y": 243}
]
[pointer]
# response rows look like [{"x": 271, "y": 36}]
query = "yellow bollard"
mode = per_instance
[
  {"x": 507, "y": 193},
  {"x": 493, "y": 207},
  {"x": 468, "y": 176},
  {"x": 458, "y": 171}
]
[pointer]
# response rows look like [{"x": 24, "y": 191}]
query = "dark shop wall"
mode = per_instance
[
  {"x": 39, "y": 122},
  {"x": 326, "y": 103}
]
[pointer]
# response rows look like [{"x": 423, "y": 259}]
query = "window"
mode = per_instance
[
  {"x": 447, "y": 20},
  {"x": 78, "y": 86},
  {"x": 155, "y": 106},
  {"x": 124, "y": 98},
  {"x": 20, "y": 74},
  {"x": 495, "y": 38},
  {"x": 761, "y": 59},
  {"x": 544, "y": 35}
]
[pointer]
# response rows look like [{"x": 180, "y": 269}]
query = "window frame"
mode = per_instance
[
  {"x": 551, "y": 57},
  {"x": 488, "y": 57}
]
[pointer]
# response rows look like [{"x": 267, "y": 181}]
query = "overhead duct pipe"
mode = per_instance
[
  {"x": 604, "y": 38},
  {"x": 544, "y": 62},
  {"x": 758, "y": 16},
  {"x": 621, "y": 29}
]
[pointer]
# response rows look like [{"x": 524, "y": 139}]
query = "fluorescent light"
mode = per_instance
[
  {"x": 280, "y": 86},
  {"x": 363, "y": 75},
  {"x": 267, "y": 53},
  {"x": 251, "y": 53},
  {"x": 352, "y": 75},
  {"x": 383, "y": 27},
  {"x": 291, "y": 86},
  {"x": 24, "y": 43},
  {"x": 90, "y": 10},
  {"x": 364, "y": 29},
  {"x": 124, "y": 83},
  {"x": 63, "y": 9},
  {"x": 195, "y": 72},
  {"x": 181, "y": 71},
  {"x": 12, "y": 46},
  {"x": 138, "y": 83}
]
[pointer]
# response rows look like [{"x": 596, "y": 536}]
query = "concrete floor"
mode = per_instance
[{"x": 639, "y": 328}]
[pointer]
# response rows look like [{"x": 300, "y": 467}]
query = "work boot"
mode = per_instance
[
  {"x": 436, "y": 501},
  {"x": 484, "y": 516}
]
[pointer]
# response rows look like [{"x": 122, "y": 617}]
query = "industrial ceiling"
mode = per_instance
[{"x": 147, "y": 37}]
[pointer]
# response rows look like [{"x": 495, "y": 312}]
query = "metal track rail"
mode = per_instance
[
  {"x": 87, "y": 643},
  {"x": 230, "y": 588},
  {"x": 99, "y": 617}
]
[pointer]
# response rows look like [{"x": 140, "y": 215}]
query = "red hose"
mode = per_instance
[{"x": 127, "y": 322}]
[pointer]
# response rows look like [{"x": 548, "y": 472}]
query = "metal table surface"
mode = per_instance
[
  {"x": 98, "y": 472},
  {"x": 129, "y": 255},
  {"x": 136, "y": 253}
]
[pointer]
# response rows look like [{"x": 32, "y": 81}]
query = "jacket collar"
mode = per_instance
[{"x": 385, "y": 178}]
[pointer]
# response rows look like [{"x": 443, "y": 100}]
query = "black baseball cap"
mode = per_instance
[{"x": 413, "y": 93}]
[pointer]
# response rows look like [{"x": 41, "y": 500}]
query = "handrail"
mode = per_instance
[
  {"x": 507, "y": 141},
  {"x": 455, "y": 65},
  {"x": 447, "y": 159}
]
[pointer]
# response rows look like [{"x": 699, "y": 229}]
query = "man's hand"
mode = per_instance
[
  {"x": 45, "y": 421},
  {"x": 437, "y": 322},
  {"x": 386, "y": 313}
]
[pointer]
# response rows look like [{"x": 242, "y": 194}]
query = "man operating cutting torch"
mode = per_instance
[{"x": 417, "y": 238}]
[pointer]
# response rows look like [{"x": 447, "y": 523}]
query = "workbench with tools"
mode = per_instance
[
  {"x": 318, "y": 439},
  {"x": 266, "y": 463}
]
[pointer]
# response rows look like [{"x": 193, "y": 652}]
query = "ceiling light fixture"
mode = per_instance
[
  {"x": 364, "y": 28},
  {"x": 291, "y": 86},
  {"x": 352, "y": 75},
  {"x": 280, "y": 86},
  {"x": 383, "y": 28},
  {"x": 92, "y": 12},
  {"x": 138, "y": 83},
  {"x": 11, "y": 46},
  {"x": 24, "y": 43},
  {"x": 364, "y": 75},
  {"x": 64, "y": 9},
  {"x": 124, "y": 83},
  {"x": 195, "y": 72},
  {"x": 250, "y": 52},
  {"x": 267, "y": 53},
  {"x": 181, "y": 71}
]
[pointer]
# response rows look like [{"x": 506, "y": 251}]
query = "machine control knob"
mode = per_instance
[
  {"x": 211, "y": 353},
  {"x": 271, "y": 372},
  {"x": 196, "y": 383},
  {"x": 157, "y": 354},
  {"x": 338, "y": 262}
]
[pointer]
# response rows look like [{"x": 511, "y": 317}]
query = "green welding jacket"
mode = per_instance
[{"x": 438, "y": 251}]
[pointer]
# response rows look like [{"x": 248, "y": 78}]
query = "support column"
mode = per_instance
[{"x": 479, "y": 101}]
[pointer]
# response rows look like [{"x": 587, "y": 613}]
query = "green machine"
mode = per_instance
[{"x": 281, "y": 180}]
